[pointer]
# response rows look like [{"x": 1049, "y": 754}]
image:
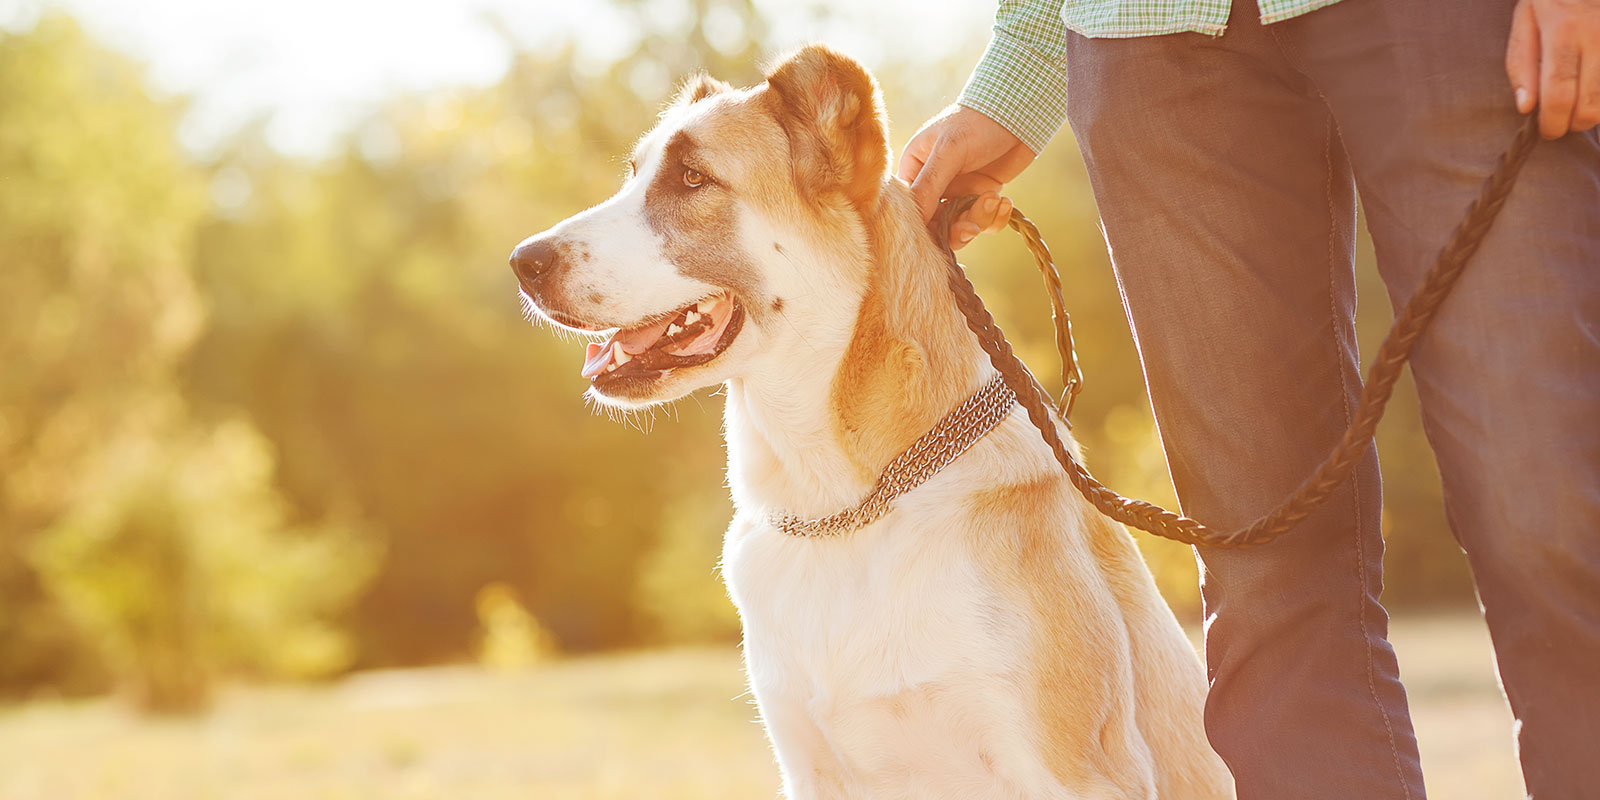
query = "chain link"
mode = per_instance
[{"x": 932, "y": 452}]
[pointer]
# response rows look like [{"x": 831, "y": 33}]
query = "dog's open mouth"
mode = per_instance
[{"x": 688, "y": 337}]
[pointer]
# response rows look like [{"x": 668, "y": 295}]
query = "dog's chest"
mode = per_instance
[{"x": 896, "y": 605}]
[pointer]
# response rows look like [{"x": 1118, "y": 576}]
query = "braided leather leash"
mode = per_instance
[{"x": 1392, "y": 356}]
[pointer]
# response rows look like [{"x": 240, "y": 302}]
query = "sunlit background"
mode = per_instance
[{"x": 293, "y": 503}]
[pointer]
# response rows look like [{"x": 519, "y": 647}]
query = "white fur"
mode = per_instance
[
  {"x": 832, "y": 626},
  {"x": 835, "y": 626},
  {"x": 887, "y": 662},
  {"x": 624, "y": 261}
]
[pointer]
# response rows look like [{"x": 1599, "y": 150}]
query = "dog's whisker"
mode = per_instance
[{"x": 798, "y": 332}]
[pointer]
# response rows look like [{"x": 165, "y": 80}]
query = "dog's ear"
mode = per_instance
[
  {"x": 833, "y": 113},
  {"x": 698, "y": 87}
]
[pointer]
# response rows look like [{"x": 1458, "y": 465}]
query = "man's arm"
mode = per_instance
[
  {"x": 1012, "y": 105},
  {"x": 1021, "y": 80}
]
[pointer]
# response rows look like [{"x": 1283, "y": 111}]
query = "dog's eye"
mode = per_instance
[{"x": 693, "y": 178}]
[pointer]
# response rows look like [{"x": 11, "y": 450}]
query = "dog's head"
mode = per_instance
[{"x": 737, "y": 239}]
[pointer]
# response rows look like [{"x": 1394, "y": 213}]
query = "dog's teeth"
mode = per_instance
[
  {"x": 691, "y": 318},
  {"x": 674, "y": 330},
  {"x": 619, "y": 356},
  {"x": 705, "y": 306}
]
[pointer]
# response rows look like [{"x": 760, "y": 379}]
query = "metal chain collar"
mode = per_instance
[{"x": 935, "y": 450}]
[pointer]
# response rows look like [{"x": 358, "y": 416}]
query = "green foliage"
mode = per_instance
[
  {"x": 365, "y": 316},
  {"x": 176, "y": 558},
  {"x": 678, "y": 589},
  {"x": 511, "y": 638},
  {"x": 216, "y": 374},
  {"x": 134, "y": 537},
  {"x": 96, "y": 305},
  {"x": 96, "y": 211}
]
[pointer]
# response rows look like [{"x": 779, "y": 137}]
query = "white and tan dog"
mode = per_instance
[{"x": 992, "y": 636}]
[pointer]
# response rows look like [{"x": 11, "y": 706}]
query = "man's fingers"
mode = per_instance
[
  {"x": 1587, "y": 112},
  {"x": 910, "y": 165},
  {"x": 932, "y": 180},
  {"x": 973, "y": 221},
  {"x": 1522, "y": 57},
  {"x": 976, "y": 219},
  {"x": 972, "y": 183},
  {"x": 986, "y": 211},
  {"x": 1002, "y": 215},
  {"x": 989, "y": 213},
  {"x": 915, "y": 153},
  {"x": 962, "y": 232},
  {"x": 1010, "y": 165},
  {"x": 958, "y": 153},
  {"x": 1558, "y": 81}
]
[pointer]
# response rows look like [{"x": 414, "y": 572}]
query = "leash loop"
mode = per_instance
[
  {"x": 1071, "y": 373},
  {"x": 1390, "y": 361}
]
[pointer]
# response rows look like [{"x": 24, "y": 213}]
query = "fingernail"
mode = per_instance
[
  {"x": 1522, "y": 100},
  {"x": 989, "y": 204},
  {"x": 964, "y": 237}
]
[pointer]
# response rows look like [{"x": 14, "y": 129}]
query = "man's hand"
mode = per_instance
[
  {"x": 1553, "y": 60},
  {"x": 962, "y": 152}
]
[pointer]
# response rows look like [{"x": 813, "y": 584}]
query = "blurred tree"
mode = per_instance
[
  {"x": 510, "y": 638},
  {"x": 96, "y": 210},
  {"x": 132, "y": 537},
  {"x": 309, "y": 342},
  {"x": 177, "y": 559},
  {"x": 679, "y": 590},
  {"x": 366, "y": 317}
]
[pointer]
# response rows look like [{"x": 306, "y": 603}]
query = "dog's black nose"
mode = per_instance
[{"x": 533, "y": 258}]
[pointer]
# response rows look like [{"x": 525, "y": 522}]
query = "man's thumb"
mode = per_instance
[{"x": 934, "y": 178}]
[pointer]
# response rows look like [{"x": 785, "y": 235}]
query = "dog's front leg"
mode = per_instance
[{"x": 809, "y": 768}]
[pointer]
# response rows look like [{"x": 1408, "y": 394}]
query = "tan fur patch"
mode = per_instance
[
  {"x": 697, "y": 88},
  {"x": 1086, "y": 712},
  {"x": 833, "y": 112},
  {"x": 911, "y": 359}
]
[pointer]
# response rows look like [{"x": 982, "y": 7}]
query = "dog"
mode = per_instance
[{"x": 986, "y": 634}]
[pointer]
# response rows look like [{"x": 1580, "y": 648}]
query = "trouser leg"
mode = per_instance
[
  {"x": 1509, "y": 372},
  {"x": 1227, "y": 206}
]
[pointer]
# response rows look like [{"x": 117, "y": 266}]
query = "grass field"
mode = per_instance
[{"x": 662, "y": 724}]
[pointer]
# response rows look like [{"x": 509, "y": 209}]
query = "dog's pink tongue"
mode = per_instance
[
  {"x": 598, "y": 355},
  {"x": 639, "y": 340},
  {"x": 595, "y": 358}
]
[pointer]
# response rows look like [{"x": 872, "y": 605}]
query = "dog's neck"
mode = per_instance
[{"x": 811, "y": 438}]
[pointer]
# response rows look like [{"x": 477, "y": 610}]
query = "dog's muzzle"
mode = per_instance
[{"x": 534, "y": 258}]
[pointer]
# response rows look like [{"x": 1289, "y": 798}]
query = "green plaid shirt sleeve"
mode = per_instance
[{"x": 1021, "y": 81}]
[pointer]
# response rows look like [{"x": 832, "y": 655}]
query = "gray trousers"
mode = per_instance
[{"x": 1226, "y": 172}]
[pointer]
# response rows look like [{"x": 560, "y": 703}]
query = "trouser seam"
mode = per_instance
[{"x": 1355, "y": 478}]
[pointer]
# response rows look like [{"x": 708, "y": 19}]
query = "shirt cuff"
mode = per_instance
[{"x": 1019, "y": 88}]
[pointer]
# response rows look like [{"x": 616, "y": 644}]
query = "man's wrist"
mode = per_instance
[{"x": 1019, "y": 87}]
